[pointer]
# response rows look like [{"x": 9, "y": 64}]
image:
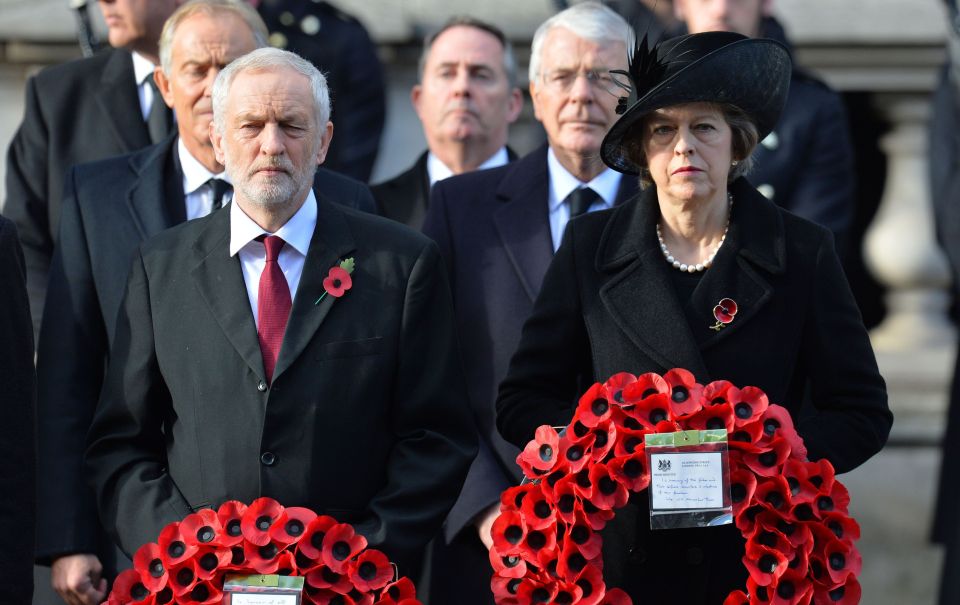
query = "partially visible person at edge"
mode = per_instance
[
  {"x": 354, "y": 406},
  {"x": 633, "y": 290},
  {"x": 466, "y": 99},
  {"x": 497, "y": 230},
  {"x": 806, "y": 163}
]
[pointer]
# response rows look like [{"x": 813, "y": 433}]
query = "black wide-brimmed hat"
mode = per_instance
[{"x": 714, "y": 67}]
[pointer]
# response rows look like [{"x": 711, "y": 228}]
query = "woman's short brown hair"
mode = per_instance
[{"x": 743, "y": 131}]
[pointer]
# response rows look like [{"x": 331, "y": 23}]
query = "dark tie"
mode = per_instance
[
  {"x": 218, "y": 187},
  {"x": 273, "y": 306},
  {"x": 581, "y": 199},
  {"x": 159, "y": 118}
]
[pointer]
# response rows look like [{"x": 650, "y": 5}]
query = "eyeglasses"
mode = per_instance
[{"x": 561, "y": 80}]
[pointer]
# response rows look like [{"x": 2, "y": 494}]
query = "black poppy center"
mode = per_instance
[
  {"x": 316, "y": 540},
  {"x": 837, "y": 561},
  {"x": 762, "y": 593},
  {"x": 540, "y": 595},
  {"x": 536, "y": 540},
  {"x": 774, "y": 499},
  {"x": 368, "y": 571},
  {"x": 205, "y": 534},
  {"x": 718, "y": 400},
  {"x": 803, "y": 512},
  {"x": 618, "y": 395},
  {"x": 555, "y": 476},
  {"x": 825, "y": 503},
  {"x": 546, "y": 452},
  {"x": 837, "y": 593},
  {"x": 164, "y": 596},
  {"x": 233, "y": 528},
  {"x": 330, "y": 576},
  {"x": 139, "y": 592},
  {"x": 786, "y": 590},
  {"x": 742, "y": 436},
  {"x": 785, "y": 528},
  {"x": 632, "y": 468},
  {"x": 768, "y": 458},
  {"x": 512, "y": 561},
  {"x": 716, "y": 423},
  {"x": 580, "y": 429},
  {"x": 770, "y": 426},
  {"x": 236, "y": 555},
  {"x": 607, "y": 486},
  {"x": 341, "y": 550},
  {"x": 648, "y": 393},
  {"x": 156, "y": 568},
  {"x": 631, "y": 423},
  {"x": 579, "y": 534},
  {"x": 185, "y": 576},
  {"x": 268, "y": 551},
  {"x": 575, "y": 453},
  {"x": 563, "y": 598},
  {"x": 599, "y": 407},
  {"x": 583, "y": 479},
  {"x": 768, "y": 538},
  {"x": 658, "y": 415},
  {"x": 600, "y": 438},
  {"x": 263, "y": 523},
  {"x": 576, "y": 562},
  {"x": 631, "y": 444},
  {"x": 817, "y": 481},
  {"x": 200, "y": 592},
  {"x": 738, "y": 492},
  {"x": 513, "y": 586},
  {"x": 743, "y": 410},
  {"x": 585, "y": 586},
  {"x": 176, "y": 549},
  {"x": 565, "y": 503},
  {"x": 541, "y": 509},
  {"x": 680, "y": 394},
  {"x": 794, "y": 484},
  {"x": 513, "y": 534},
  {"x": 767, "y": 564},
  {"x": 294, "y": 527},
  {"x": 209, "y": 561},
  {"x": 836, "y": 528},
  {"x": 336, "y": 283}
]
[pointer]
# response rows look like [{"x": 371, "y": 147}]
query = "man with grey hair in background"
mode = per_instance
[
  {"x": 498, "y": 229},
  {"x": 236, "y": 372},
  {"x": 466, "y": 99}
]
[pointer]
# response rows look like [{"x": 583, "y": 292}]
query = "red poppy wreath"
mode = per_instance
[
  {"x": 188, "y": 562},
  {"x": 792, "y": 512}
]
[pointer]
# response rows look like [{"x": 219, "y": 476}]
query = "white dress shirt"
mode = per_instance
[
  {"x": 297, "y": 233},
  {"x": 197, "y": 193},
  {"x": 437, "y": 170},
  {"x": 142, "y": 72},
  {"x": 562, "y": 184}
]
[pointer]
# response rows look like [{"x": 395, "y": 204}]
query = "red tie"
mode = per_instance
[{"x": 273, "y": 305}]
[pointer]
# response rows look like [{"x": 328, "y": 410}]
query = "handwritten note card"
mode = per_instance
[
  {"x": 686, "y": 480},
  {"x": 263, "y": 599}
]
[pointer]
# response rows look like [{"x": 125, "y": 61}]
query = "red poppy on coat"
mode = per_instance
[
  {"x": 531, "y": 593},
  {"x": 230, "y": 515},
  {"x": 615, "y": 597},
  {"x": 764, "y": 564},
  {"x": 508, "y": 532},
  {"x": 596, "y": 517},
  {"x": 767, "y": 463},
  {"x": 594, "y": 407},
  {"x": 584, "y": 537},
  {"x": 507, "y": 566},
  {"x": 398, "y": 591},
  {"x": 841, "y": 526},
  {"x": 631, "y": 471},
  {"x": 746, "y": 438},
  {"x": 591, "y": 584},
  {"x": 608, "y": 493},
  {"x": 262, "y": 558},
  {"x": 847, "y": 593},
  {"x": 210, "y": 560},
  {"x": 718, "y": 416},
  {"x": 371, "y": 571},
  {"x": 725, "y": 310},
  {"x": 774, "y": 493},
  {"x": 570, "y": 560},
  {"x": 310, "y": 545},
  {"x": 148, "y": 562},
  {"x": 836, "y": 499},
  {"x": 841, "y": 558},
  {"x": 258, "y": 519},
  {"x": 759, "y": 595},
  {"x": 202, "y": 593},
  {"x": 541, "y": 454},
  {"x": 174, "y": 549},
  {"x": 652, "y": 410},
  {"x": 504, "y": 590},
  {"x": 566, "y": 498},
  {"x": 575, "y": 452},
  {"x": 512, "y": 497},
  {"x": 769, "y": 537},
  {"x": 291, "y": 525},
  {"x": 646, "y": 385},
  {"x": 750, "y": 406},
  {"x": 737, "y": 597},
  {"x": 630, "y": 435},
  {"x": 537, "y": 512},
  {"x": 777, "y": 422},
  {"x": 604, "y": 437},
  {"x": 796, "y": 474},
  {"x": 719, "y": 392},
  {"x": 340, "y": 545},
  {"x": 337, "y": 282},
  {"x": 743, "y": 484},
  {"x": 686, "y": 395},
  {"x": 821, "y": 474},
  {"x": 183, "y": 578},
  {"x": 324, "y": 578},
  {"x": 615, "y": 385},
  {"x": 568, "y": 592},
  {"x": 201, "y": 528},
  {"x": 129, "y": 587},
  {"x": 791, "y": 588},
  {"x": 537, "y": 541}
]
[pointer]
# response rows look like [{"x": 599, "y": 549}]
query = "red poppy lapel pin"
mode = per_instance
[
  {"x": 724, "y": 313},
  {"x": 338, "y": 280}
]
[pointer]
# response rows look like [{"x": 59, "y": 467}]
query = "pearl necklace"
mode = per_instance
[{"x": 709, "y": 261}]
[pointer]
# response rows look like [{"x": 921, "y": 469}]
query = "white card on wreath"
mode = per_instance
[{"x": 686, "y": 480}]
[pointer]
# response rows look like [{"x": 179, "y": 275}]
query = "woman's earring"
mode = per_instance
[{"x": 734, "y": 163}]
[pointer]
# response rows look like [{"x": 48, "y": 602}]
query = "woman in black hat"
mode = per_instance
[{"x": 634, "y": 289}]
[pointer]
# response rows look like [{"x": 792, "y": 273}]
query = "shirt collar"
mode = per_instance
[
  {"x": 142, "y": 68},
  {"x": 195, "y": 174},
  {"x": 297, "y": 232},
  {"x": 563, "y": 183},
  {"x": 438, "y": 171}
]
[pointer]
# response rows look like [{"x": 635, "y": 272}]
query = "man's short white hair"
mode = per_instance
[
  {"x": 267, "y": 59},
  {"x": 588, "y": 20}
]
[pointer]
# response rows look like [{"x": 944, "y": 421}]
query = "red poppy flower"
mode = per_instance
[
  {"x": 777, "y": 422},
  {"x": 201, "y": 527},
  {"x": 575, "y": 454},
  {"x": 541, "y": 454},
  {"x": 258, "y": 519},
  {"x": 174, "y": 549},
  {"x": 536, "y": 592},
  {"x": 631, "y": 471},
  {"x": 750, "y": 406},
  {"x": 791, "y": 588},
  {"x": 836, "y": 499},
  {"x": 508, "y": 532},
  {"x": 183, "y": 578},
  {"x": 566, "y": 498},
  {"x": 340, "y": 545},
  {"x": 263, "y": 558},
  {"x": 507, "y": 566},
  {"x": 337, "y": 282},
  {"x": 796, "y": 474},
  {"x": 646, "y": 385},
  {"x": 653, "y": 410},
  {"x": 841, "y": 559},
  {"x": 769, "y": 537},
  {"x": 821, "y": 475},
  {"x": 202, "y": 593},
  {"x": 291, "y": 525},
  {"x": 774, "y": 493},
  {"x": 608, "y": 493},
  {"x": 841, "y": 526},
  {"x": 594, "y": 407},
  {"x": 767, "y": 463},
  {"x": 629, "y": 436},
  {"x": 847, "y": 593},
  {"x": 149, "y": 564},
  {"x": 764, "y": 564},
  {"x": 322, "y": 577},
  {"x": 537, "y": 541},
  {"x": 596, "y": 517},
  {"x": 616, "y": 597},
  {"x": 210, "y": 560},
  {"x": 504, "y": 590},
  {"x": 719, "y": 392},
  {"x": 743, "y": 484},
  {"x": 615, "y": 384},
  {"x": 746, "y": 438},
  {"x": 737, "y": 597},
  {"x": 725, "y": 310},
  {"x": 310, "y": 545},
  {"x": 371, "y": 571},
  {"x": 584, "y": 537},
  {"x": 604, "y": 437},
  {"x": 686, "y": 395},
  {"x": 129, "y": 587},
  {"x": 398, "y": 591},
  {"x": 536, "y": 511},
  {"x": 759, "y": 595},
  {"x": 230, "y": 514},
  {"x": 719, "y": 416},
  {"x": 591, "y": 585}
]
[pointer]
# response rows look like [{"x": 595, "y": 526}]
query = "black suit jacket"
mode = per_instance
[
  {"x": 608, "y": 305},
  {"x": 365, "y": 420},
  {"x": 493, "y": 230},
  {"x": 17, "y": 468},
  {"x": 110, "y": 207},
  {"x": 80, "y": 111}
]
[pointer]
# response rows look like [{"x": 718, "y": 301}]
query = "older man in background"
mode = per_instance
[
  {"x": 498, "y": 229},
  {"x": 466, "y": 100}
]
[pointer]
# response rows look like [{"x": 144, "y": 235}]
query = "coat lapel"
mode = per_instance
[
  {"x": 522, "y": 222},
  {"x": 219, "y": 279},
  {"x": 331, "y": 243},
  {"x": 154, "y": 193},
  {"x": 118, "y": 99}
]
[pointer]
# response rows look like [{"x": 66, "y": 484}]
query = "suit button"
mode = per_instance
[
  {"x": 261, "y": 386},
  {"x": 694, "y": 556},
  {"x": 268, "y": 458}
]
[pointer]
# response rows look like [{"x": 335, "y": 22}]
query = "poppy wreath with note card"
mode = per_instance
[
  {"x": 188, "y": 562},
  {"x": 792, "y": 512}
]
